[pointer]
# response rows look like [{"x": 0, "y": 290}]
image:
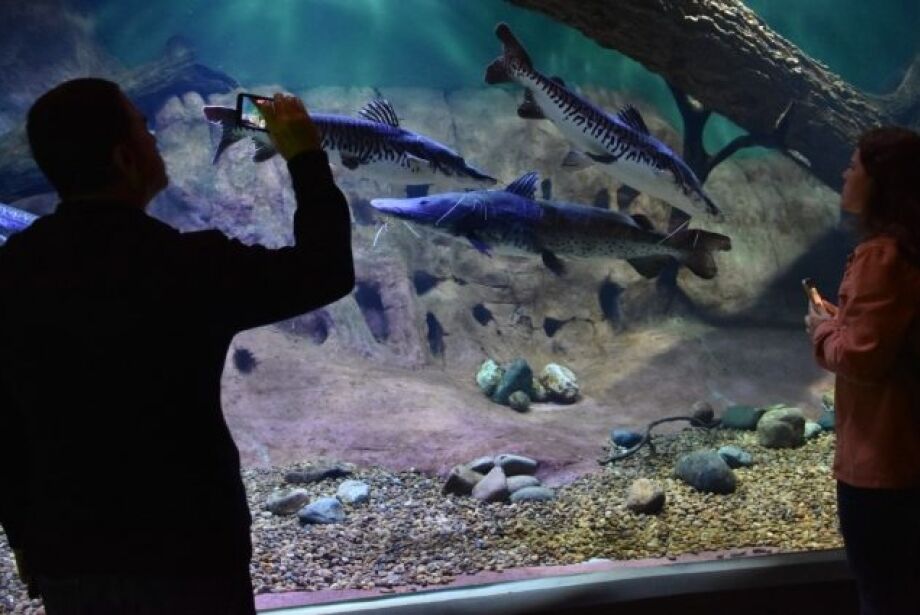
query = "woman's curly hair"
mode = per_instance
[{"x": 891, "y": 157}]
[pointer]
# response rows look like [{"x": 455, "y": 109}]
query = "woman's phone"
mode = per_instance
[
  {"x": 811, "y": 291},
  {"x": 247, "y": 112}
]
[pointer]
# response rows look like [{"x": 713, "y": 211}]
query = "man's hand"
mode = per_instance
[
  {"x": 818, "y": 314},
  {"x": 289, "y": 125}
]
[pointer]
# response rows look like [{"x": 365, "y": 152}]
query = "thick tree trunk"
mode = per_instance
[{"x": 723, "y": 55}]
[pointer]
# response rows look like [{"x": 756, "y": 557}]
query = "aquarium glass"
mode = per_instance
[{"x": 493, "y": 378}]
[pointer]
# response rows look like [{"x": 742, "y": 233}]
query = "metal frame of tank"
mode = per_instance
[{"x": 814, "y": 577}]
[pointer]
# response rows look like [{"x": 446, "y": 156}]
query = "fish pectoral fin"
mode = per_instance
[
  {"x": 553, "y": 262},
  {"x": 263, "y": 152},
  {"x": 601, "y": 158},
  {"x": 529, "y": 109},
  {"x": 479, "y": 244},
  {"x": 576, "y": 160},
  {"x": 351, "y": 162},
  {"x": 650, "y": 266},
  {"x": 416, "y": 164}
]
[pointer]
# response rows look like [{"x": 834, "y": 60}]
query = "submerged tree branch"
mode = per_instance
[
  {"x": 723, "y": 55},
  {"x": 646, "y": 439}
]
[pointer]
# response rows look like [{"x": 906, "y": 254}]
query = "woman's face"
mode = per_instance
[{"x": 857, "y": 186}]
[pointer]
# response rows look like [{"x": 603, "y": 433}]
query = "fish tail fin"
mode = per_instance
[
  {"x": 226, "y": 118},
  {"x": 650, "y": 266},
  {"x": 700, "y": 246},
  {"x": 513, "y": 52}
]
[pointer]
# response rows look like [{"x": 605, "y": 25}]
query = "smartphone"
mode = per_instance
[
  {"x": 247, "y": 112},
  {"x": 811, "y": 291}
]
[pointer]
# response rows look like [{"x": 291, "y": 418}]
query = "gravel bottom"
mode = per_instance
[{"x": 408, "y": 535}]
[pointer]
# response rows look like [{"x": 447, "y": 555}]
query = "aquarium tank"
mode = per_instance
[{"x": 575, "y": 341}]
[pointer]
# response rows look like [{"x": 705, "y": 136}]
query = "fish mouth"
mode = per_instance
[{"x": 397, "y": 208}]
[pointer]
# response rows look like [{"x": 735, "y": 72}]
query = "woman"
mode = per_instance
[{"x": 871, "y": 341}]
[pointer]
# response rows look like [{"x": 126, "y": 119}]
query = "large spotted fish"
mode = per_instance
[
  {"x": 512, "y": 221},
  {"x": 622, "y": 144},
  {"x": 372, "y": 145}
]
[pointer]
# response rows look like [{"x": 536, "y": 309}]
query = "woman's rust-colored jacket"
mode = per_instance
[{"x": 873, "y": 346}]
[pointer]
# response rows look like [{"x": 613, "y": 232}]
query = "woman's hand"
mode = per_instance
[
  {"x": 818, "y": 314},
  {"x": 289, "y": 125}
]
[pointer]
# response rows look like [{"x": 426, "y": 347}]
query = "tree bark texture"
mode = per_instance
[{"x": 723, "y": 55}]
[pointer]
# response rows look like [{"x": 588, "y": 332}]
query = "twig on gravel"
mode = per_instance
[{"x": 646, "y": 439}]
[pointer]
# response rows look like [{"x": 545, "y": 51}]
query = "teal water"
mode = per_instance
[{"x": 446, "y": 44}]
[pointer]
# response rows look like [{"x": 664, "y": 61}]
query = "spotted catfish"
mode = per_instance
[
  {"x": 512, "y": 221},
  {"x": 622, "y": 144},
  {"x": 373, "y": 145}
]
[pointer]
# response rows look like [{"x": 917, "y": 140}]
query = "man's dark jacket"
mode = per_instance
[{"x": 114, "y": 329}]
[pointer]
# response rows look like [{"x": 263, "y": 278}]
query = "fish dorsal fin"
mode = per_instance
[
  {"x": 381, "y": 111},
  {"x": 558, "y": 80},
  {"x": 630, "y": 116},
  {"x": 525, "y": 185}
]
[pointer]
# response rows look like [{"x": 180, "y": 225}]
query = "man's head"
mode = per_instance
[{"x": 89, "y": 140}]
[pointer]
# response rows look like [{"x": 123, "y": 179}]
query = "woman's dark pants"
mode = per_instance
[{"x": 881, "y": 532}]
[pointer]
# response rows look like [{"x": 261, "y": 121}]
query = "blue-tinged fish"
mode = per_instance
[
  {"x": 512, "y": 221},
  {"x": 13, "y": 220},
  {"x": 373, "y": 145},
  {"x": 621, "y": 144}
]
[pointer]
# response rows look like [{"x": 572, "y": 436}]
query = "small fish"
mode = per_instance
[
  {"x": 13, "y": 220},
  {"x": 512, "y": 221},
  {"x": 622, "y": 144},
  {"x": 373, "y": 146}
]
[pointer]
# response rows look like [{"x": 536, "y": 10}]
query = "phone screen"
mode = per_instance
[{"x": 248, "y": 114}]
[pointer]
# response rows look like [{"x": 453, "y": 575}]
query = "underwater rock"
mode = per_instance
[
  {"x": 781, "y": 428},
  {"x": 461, "y": 481},
  {"x": 287, "y": 502},
  {"x": 645, "y": 497},
  {"x": 489, "y": 376},
  {"x": 742, "y": 417},
  {"x": 706, "y": 471},
  {"x": 516, "y": 483},
  {"x": 812, "y": 429},
  {"x": 513, "y": 465},
  {"x": 560, "y": 382},
  {"x": 827, "y": 420},
  {"x": 519, "y": 401},
  {"x": 827, "y": 400},
  {"x": 539, "y": 391},
  {"x": 517, "y": 377},
  {"x": 702, "y": 411},
  {"x": 353, "y": 492},
  {"x": 626, "y": 438},
  {"x": 482, "y": 465},
  {"x": 315, "y": 475},
  {"x": 492, "y": 488},
  {"x": 735, "y": 457},
  {"x": 533, "y": 494},
  {"x": 323, "y": 510}
]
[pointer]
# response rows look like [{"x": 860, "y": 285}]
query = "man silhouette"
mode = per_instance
[{"x": 121, "y": 486}]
